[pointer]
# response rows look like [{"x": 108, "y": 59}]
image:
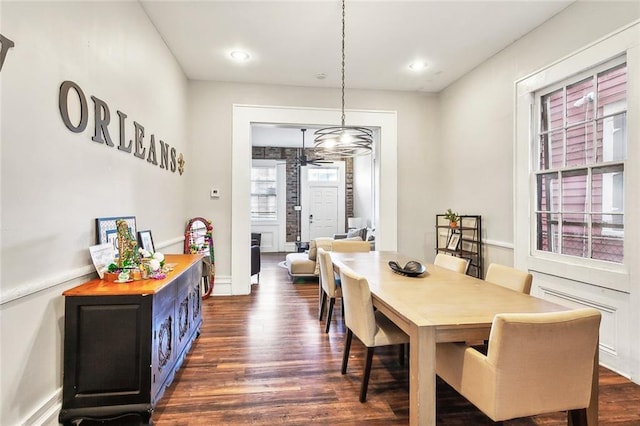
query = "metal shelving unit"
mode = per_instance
[{"x": 463, "y": 241}]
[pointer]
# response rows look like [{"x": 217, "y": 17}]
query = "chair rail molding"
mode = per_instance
[
  {"x": 76, "y": 275},
  {"x": 496, "y": 243}
]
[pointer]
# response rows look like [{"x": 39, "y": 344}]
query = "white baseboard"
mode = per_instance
[
  {"x": 47, "y": 413},
  {"x": 222, "y": 286}
]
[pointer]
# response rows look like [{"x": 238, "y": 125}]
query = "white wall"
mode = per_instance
[
  {"x": 478, "y": 137},
  {"x": 363, "y": 189},
  {"x": 55, "y": 182},
  {"x": 210, "y": 126}
]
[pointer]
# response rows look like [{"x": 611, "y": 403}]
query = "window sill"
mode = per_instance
[{"x": 601, "y": 274}]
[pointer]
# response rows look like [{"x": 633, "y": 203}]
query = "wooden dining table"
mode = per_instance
[{"x": 440, "y": 306}]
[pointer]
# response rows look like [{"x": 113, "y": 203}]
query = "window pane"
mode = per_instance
[
  {"x": 612, "y": 138},
  {"x": 607, "y": 189},
  {"x": 322, "y": 174},
  {"x": 263, "y": 173},
  {"x": 548, "y": 192},
  {"x": 265, "y": 188},
  {"x": 574, "y": 191},
  {"x": 580, "y": 99},
  {"x": 551, "y": 111},
  {"x": 580, "y": 145},
  {"x": 612, "y": 91},
  {"x": 263, "y": 193},
  {"x": 551, "y": 150},
  {"x": 263, "y": 207},
  {"x": 575, "y": 233},
  {"x": 607, "y": 241},
  {"x": 547, "y": 236}
]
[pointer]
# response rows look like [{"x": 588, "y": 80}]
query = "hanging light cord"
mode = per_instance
[
  {"x": 343, "y": 59},
  {"x": 343, "y": 141}
]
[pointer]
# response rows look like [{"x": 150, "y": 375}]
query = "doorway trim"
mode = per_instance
[{"x": 244, "y": 116}]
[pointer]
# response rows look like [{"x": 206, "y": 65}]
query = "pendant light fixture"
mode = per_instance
[{"x": 343, "y": 141}]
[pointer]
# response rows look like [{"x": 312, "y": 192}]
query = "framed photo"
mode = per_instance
[
  {"x": 454, "y": 241},
  {"x": 145, "y": 241},
  {"x": 102, "y": 255},
  {"x": 107, "y": 232}
]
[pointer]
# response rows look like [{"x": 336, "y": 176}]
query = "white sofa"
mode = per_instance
[{"x": 305, "y": 265}]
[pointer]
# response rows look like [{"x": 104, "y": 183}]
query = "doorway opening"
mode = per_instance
[{"x": 384, "y": 175}]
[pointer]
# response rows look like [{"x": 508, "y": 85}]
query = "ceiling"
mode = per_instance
[{"x": 293, "y": 42}]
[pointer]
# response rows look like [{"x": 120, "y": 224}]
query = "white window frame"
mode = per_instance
[
  {"x": 281, "y": 203},
  {"x": 267, "y": 164},
  {"x": 588, "y": 167},
  {"x": 599, "y": 273}
]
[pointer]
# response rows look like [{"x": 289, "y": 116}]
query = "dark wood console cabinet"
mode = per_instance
[{"x": 124, "y": 342}]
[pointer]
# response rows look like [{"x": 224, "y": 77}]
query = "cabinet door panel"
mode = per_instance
[
  {"x": 119, "y": 371},
  {"x": 105, "y": 354},
  {"x": 163, "y": 348}
]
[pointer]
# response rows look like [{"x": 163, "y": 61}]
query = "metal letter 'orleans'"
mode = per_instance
[{"x": 101, "y": 134}]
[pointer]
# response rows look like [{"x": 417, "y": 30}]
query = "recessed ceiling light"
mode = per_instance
[
  {"x": 418, "y": 66},
  {"x": 239, "y": 55}
]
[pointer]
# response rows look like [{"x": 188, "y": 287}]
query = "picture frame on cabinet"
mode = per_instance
[
  {"x": 107, "y": 232},
  {"x": 102, "y": 256},
  {"x": 145, "y": 241}
]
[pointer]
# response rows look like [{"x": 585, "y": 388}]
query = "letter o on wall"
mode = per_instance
[{"x": 63, "y": 104}]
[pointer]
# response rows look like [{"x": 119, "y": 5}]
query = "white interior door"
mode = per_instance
[
  {"x": 323, "y": 212},
  {"x": 323, "y": 200}
]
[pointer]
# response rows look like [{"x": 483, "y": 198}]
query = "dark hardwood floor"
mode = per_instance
[{"x": 265, "y": 359}]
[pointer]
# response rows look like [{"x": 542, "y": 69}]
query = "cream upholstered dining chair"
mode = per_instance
[
  {"x": 350, "y": 246},
  {"x": 508, "y": 277},
  {"x": 373, "y": 329},
  {"x": 329, "y": 288},
  {"x": 453, "y": 263},
  {"x": 536, "y": 363}
]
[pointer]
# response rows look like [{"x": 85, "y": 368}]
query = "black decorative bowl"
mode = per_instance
[{"x": 411, "y": 269}]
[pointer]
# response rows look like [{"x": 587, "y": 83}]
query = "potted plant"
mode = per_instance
[
  {"x": 112, "y": 272},
  {"x": 452, "y": 217}
]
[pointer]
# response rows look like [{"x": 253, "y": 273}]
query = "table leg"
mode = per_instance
[
  {"x": 422, "y": 376},
  {"x": 319, "y": 297}
]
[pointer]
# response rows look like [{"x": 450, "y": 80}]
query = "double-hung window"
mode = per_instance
[
  {"x": 264, "y": 196},
  {"x": 580, "y": 153}
]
